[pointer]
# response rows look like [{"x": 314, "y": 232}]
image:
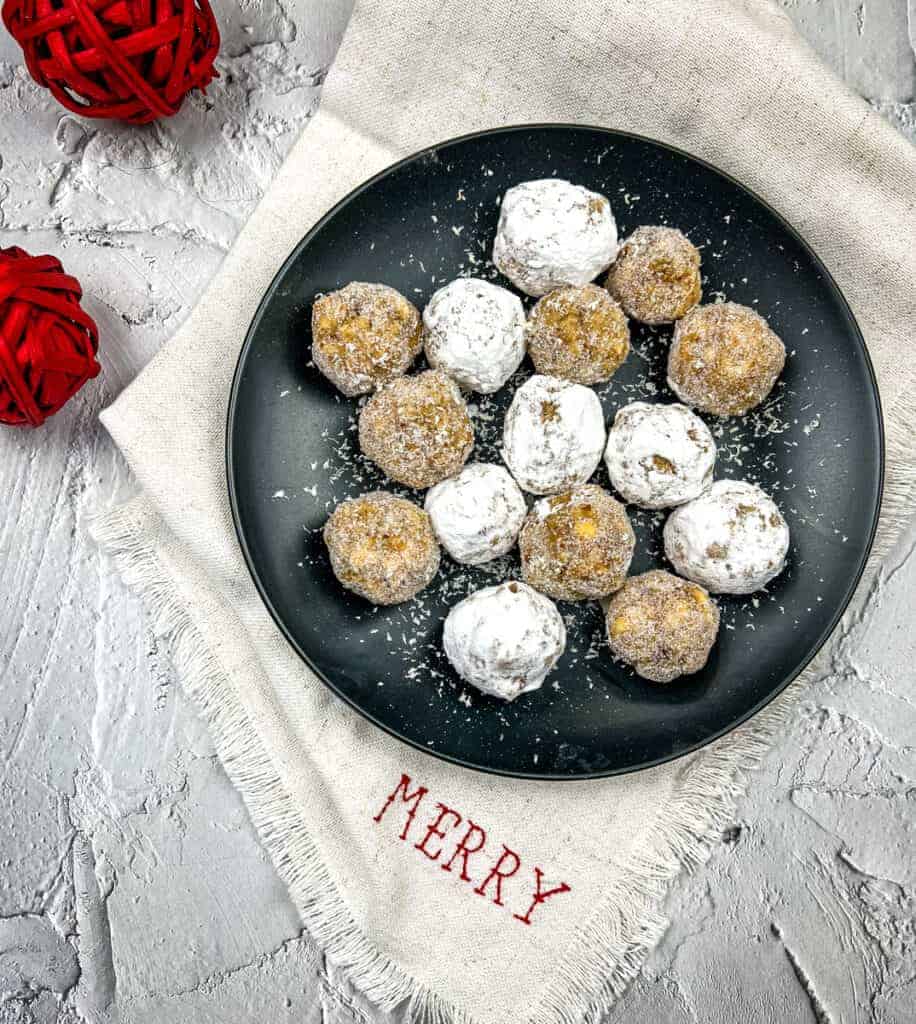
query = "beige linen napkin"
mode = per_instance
[{"x": 730, "y": 82}]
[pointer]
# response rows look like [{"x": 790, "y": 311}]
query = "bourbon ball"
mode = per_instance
[
  {"x": 364, "y": 335},
  {"x": 724, "y": 359},
  {"x": 417, "y": 429},
  {"x": 551, "y": 233},
  {"x": 382, "y": 547},
  {"x": 504, "y": 639},
  {"x": 475, "y": 332},
  {"x": 578, "y": 333},
  {"x": 553, "y": 434},
  {"x": 656, "y": 276},
  {"x": 477, "y": 514},
  {"x": 733, "y": 539},
  {"x": 659, "y": 455},
  {"x": 662, "y": 625},
  {"x": 577, "y": 545}
]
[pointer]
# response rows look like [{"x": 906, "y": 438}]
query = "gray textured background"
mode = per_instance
[{"x": 132, "y": 887}]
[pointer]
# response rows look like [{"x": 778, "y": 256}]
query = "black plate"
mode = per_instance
[{"x": 816, "y": 445}]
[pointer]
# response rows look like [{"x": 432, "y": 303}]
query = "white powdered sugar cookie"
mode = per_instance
[
  {"x": 477, "y": 514},
  {"x": 504, "y": 639},
  {"x": 659, "y": 456},
  {"x": 475, "y": 333},
  {"x": 553, "y": 233},
  {"x": 553, "y": 435},
  {"x": 731, "y": 540}
]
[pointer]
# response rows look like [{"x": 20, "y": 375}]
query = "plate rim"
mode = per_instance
[{"x": 244, "y": 352}]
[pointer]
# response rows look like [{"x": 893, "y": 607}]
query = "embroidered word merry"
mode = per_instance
[{"x": 453, "y": 840}]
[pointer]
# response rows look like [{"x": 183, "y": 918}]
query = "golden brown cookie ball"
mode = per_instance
[
  {"x": 724, "y": 359},
  {"x": 364, "y": 335},
  {"x": 656, "y": 276},
  {"x": 417, "y": 429},
  {"x": 382, "y": 547},
  {"x": 578, "y": 334},
  {"x": 662, "y": 625},
  {"x": 577, "y": 545}
]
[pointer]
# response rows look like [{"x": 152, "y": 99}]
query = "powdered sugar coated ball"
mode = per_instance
[
  {"x": 731, "y": 540},
  {"x": 553, "y": 435},
  {"x": 552, "y": 233},
  {"x": 475, "y": 332},
  {"x": 477, "y": 515},
  {"x": 504, "y": 639},
  {"x": 659, "y": 455}
]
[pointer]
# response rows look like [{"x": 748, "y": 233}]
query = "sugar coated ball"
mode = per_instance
[
  {"x": 504, "y": 639},
  {"x": 364, "y": 335},
  {"x": 659, "y": 456},
  {"x": 656, "y": 276},
  {"x": 724, "y": 359},
  {"x": 552, "y": 233},
  {"x": 578, "y": 333},
  {"x": 477, "y": 514},
  {"x": 663, "y": 626},
  {"x": 732, "y": 539},
  {"x": 577, "y": 545},
  {"x": 553, "y": 434},
  {"x": 382, "y": 547},
  {"x": 475, "y": 332},
  {"x": 417, "y": 429}
]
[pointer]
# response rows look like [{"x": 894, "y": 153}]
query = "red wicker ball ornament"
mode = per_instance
[
  {"x": 48, "y": 343},
  {"x": 134, "y": 60}
]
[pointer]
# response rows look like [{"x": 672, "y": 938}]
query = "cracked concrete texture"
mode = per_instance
[{"x": 113, "y": 809}]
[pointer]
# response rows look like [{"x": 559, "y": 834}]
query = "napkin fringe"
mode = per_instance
[
  {"x": 899, "y": 501},
  {"x": 609, "y": 949},
  {"x": 122, "y": 533}
]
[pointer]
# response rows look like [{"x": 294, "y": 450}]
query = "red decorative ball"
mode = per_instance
[
  {"x": 48, "y": 343},
  {"x": 134, "y": 60}
]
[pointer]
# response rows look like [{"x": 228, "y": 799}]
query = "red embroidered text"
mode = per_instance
[{"x": 459, "y": 844}]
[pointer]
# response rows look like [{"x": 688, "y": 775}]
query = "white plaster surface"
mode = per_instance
[{"x": 132, "y": 886}]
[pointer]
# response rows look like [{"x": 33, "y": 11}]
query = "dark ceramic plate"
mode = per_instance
[{"x": 816, "y": 445}]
